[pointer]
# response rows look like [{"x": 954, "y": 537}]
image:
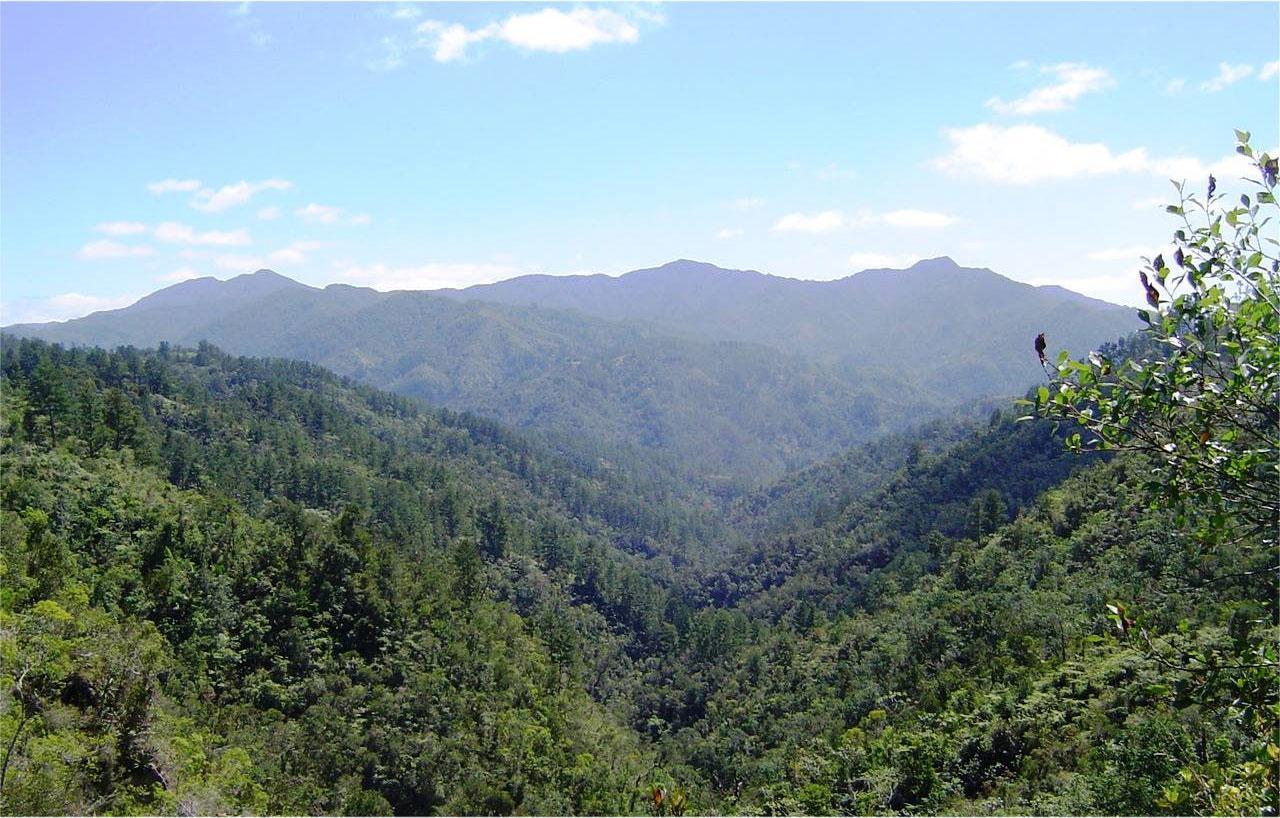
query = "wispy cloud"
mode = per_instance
[
  {"x": 432, "y": 276},
  {"x": 295, "y": 253},
  {"x": 173, "y": 186},
  {"x": 1269, "y": 71},
  {"x": 1227, "y": 75},
  {"x": 269, "y": 213},
  {"x": 209, "y": 200},
  {"x": 1022, "y": 154},
  {"x": 59, "y": 307},
  {"x": 1071, "y": 81},
  {"x": 746, "y": 203},
  {"x": 180, "y": 274},
  {"x": 249, "y": 24},
  {"x": 406, "y": 11},
  {"x": 121, "y": 228},
  {"x": 108, "y": 249},
  {"x": 318, "y": 213},
  {"x": 1175, "y": 86},
  {"x": 830, "y": 220},
  {"x": 233, "y": 263},
  {"x": 727, "y": 233},
  {"x": 875, "y": 261},
  {"x": 548, "y": 30},
  {"x": 175, "y": 233},
  {"x": 392, "y": 56}
]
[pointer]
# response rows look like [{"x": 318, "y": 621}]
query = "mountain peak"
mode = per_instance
[
  {"x": 939, "y": 263},
  {"x": 688, "y": 267}
]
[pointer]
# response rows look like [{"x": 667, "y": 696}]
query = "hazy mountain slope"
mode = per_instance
[
  {"x": 933, "y": 320},
  {"x": 734, "y": 409},
  {"x": 175, "y": 314},
  {"x": 734, "y": 376},
  {"x": 726, "y": 410}
]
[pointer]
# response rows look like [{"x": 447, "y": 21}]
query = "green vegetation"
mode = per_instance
[
  {"x": 687, "y": 378},
  {"x": 247, "y": 585}
]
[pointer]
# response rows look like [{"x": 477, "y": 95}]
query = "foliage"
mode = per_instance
[{"x": 1199, "y": 396}]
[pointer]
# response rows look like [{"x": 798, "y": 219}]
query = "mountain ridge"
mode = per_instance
[{"x": 728, "y": 373}]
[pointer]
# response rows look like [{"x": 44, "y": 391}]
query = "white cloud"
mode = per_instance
[
  {"x": 549, "y": 30},
  {"x": 1073, "y": 80},
  {"x": 747, "y": 203},
  {"x": 558, "y": 31},
  {"x": 107, "y": 249},
  {"x": 360, "y": 219},
  {"x": 238, "y": 264},
  {"x": 830, "y": 220},
  {"x": 728, "y": 233},
  {"x": 918, "y": 218},
  {"x": 121, "y": 228},
  {"x": 59, "y": 307},
  {"x": 174, "y": 233},
  {"x": 405, "y": 11},
  {"x": 180, "y": 274},
  {"x": 228, "y": 196},
  {"x": 1175, "y": 86},
  {"x": 323, "y": 214},
  {"x": 173, "y": 186},
  {"x": 1269, "y": 71},
  {"x": 1022, "y": 154},
  {"x": 449, "y": 41},
  {"x": 295, "y": 253},
  {"x": 269, "y": 213},
  {"x": 876, "y": 261},
  {"x": 1132, "y": 253},
  {"x": 823, "y": 222},
  {"x": 425, "y": 276},
  {"x": 1227, "y": 75}
]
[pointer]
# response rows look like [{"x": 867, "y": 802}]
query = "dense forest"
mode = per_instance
[
  {"x": 235, "y": 584},
  {"x": 710, "y": 380},
  {"x": 250, "y": 585}
]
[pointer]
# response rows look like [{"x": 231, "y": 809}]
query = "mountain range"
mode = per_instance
[{"x": 733, "y": 376}]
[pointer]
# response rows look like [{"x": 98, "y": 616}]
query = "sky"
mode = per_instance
[{"x": 418, "y": 146}]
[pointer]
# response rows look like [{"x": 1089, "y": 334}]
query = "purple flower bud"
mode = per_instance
[
  {"x": 1157, "y": 263},
  {"x": 1213, "y": 185},
  {"x": 1179, "y": 258},
  {"x": 1269, "y": 171}
]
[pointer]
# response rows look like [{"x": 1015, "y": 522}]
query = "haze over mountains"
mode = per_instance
[{"x": 735, "y": 374}]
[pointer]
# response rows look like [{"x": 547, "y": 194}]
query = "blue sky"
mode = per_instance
[{"x": 430, "y": 145}]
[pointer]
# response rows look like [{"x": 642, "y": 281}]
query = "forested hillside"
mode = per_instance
[
  {"x": 250, "y": 585},
  {"x": 234, "y": 584},
  {"x": 246, "y": 585},
  {"x": 697, "y": 376},
  {"x": 953, "y": 331}
]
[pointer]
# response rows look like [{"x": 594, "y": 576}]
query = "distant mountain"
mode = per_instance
[
  {"x": 736, "y": 375},
  {"x": 730, "y": 411},
  {"x": 960, "y": 330}
]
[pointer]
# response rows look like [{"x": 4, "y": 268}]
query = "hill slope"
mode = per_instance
[
  {"x": 935, "y": 321},
  {"x": 734, "y": 377}
]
